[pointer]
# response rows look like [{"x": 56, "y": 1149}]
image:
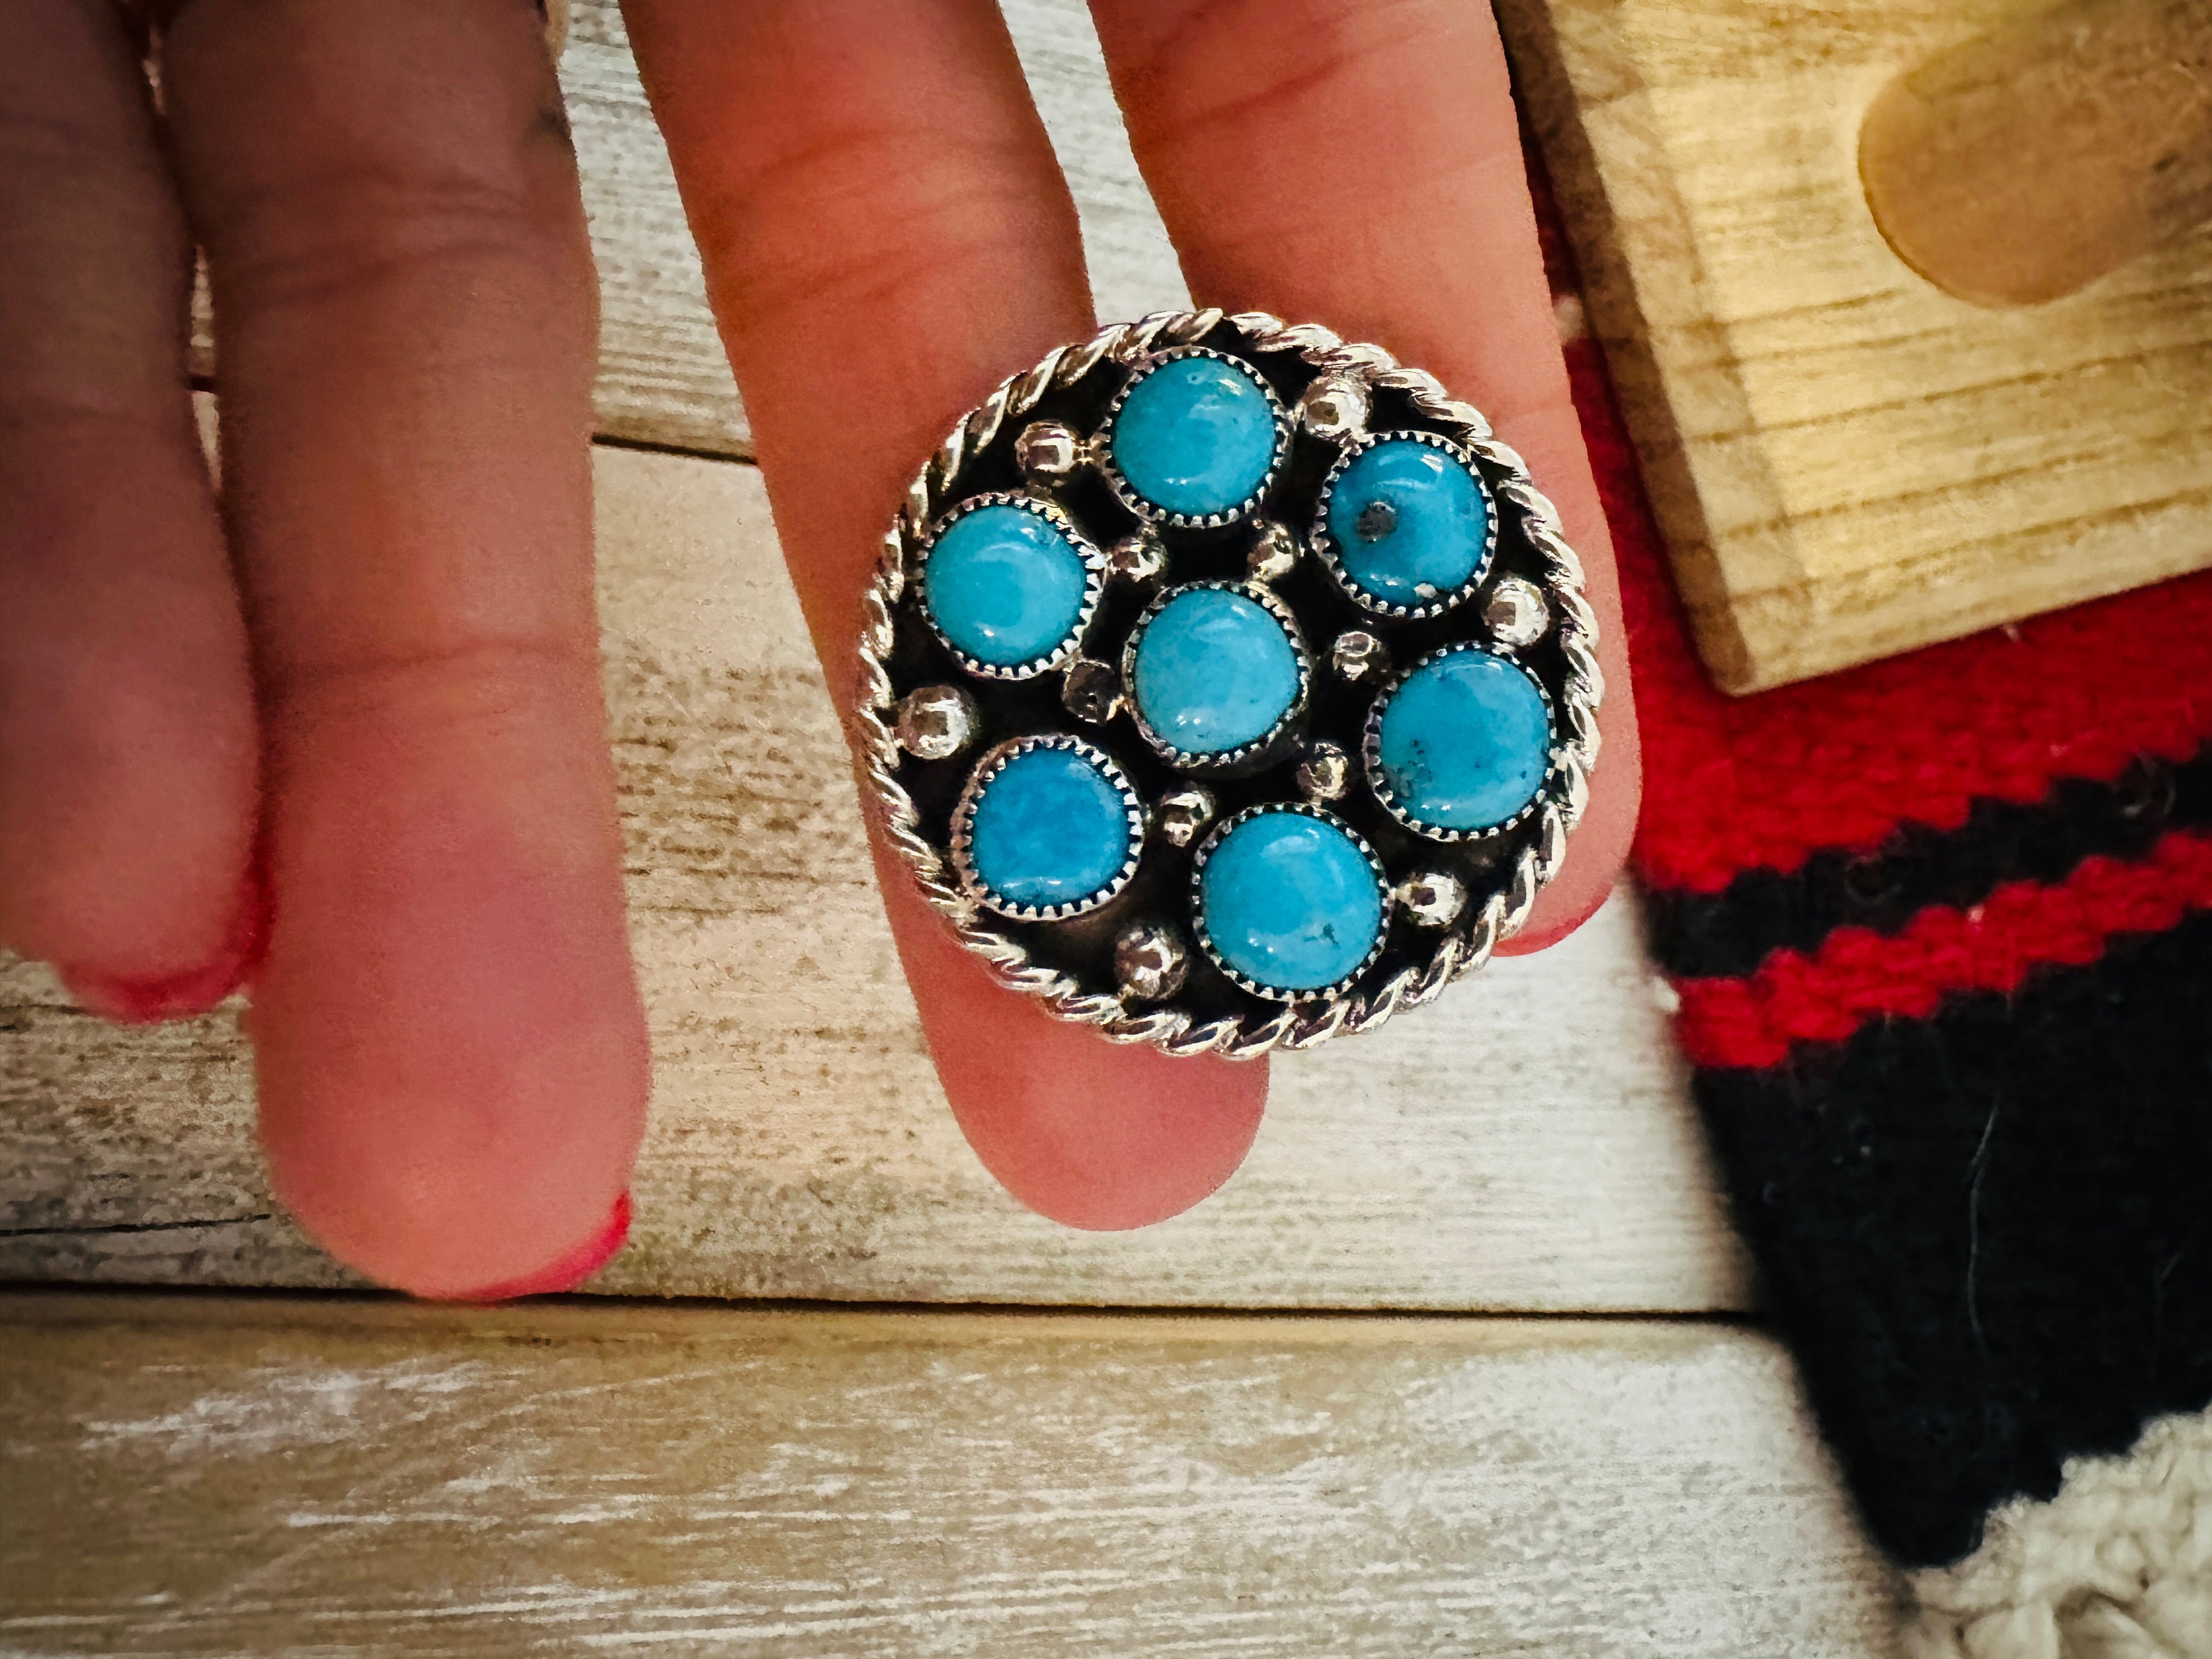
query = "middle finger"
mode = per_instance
[{"x": 886, "y": 235}]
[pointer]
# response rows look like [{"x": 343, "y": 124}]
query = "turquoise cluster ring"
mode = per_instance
[{"x": 1227, "y": 686}]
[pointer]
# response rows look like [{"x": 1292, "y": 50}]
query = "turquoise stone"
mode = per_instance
[
  {"x": 1409, "y": 522},
  {"x": 1196, "y": 436},
  {"x": 1465, "y": 741},
  {"x": 1214, "y": 670},
  {"x": 1290, "y": 901},
  {"x": 1005, "y": 585},
  {"x": 1048, "y": 828}
]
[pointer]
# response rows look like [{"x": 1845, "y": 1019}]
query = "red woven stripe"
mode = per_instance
[
  {"x": 1840, "y": 762},
  {"x": 1858, "y": 974}
]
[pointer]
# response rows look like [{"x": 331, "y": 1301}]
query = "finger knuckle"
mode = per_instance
[
  {"x": 455, "y": 235},
  {"x": 862, "y": 212},
  {"x": 432, "y": 687},
  {"x": 1203, "y": 78}
]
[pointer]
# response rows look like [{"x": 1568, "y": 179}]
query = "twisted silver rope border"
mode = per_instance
[{"x": 1465, "y": 947}]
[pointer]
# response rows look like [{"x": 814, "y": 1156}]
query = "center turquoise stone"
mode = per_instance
[
  {"x": 1050, "y": 828},
  {"x": 1465, "y": 741},
  {"x": 1196, "y": 436},
  {"x": 1214, "y": 670},
  {"x": 1409, "y": 522},
  {"x": 1006, "y": 585},
  {"x": 1290, "y": 901}
]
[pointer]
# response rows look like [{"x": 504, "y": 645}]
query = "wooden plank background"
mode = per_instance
[
  {"x": 1847, "y": 461},
  {"x": 189, "y": 1473},
  {"x": 191, "y": 1480}
]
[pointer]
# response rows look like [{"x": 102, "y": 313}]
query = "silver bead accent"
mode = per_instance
[
  {"x": 1274, "y": 554},
  {"x": 1358, "y": 655},
  {"x": 1433, "y": 898},
  {"x": 1150, "y": 961},
  {"x": 936, "y": 722},
  {"x": 1090, "y": 691},
  {"x": 1334, "y": 407},
  {"x": 1514, "y": 612},
  {"x": 1138, "y": 558},
  {"x": 1325, "y": 773},
  {"x": 1048, "y": 451},
  {"x": 1182, "y": 813}
]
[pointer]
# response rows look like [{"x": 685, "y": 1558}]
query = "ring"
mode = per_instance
[{"x": 1227, "y": 686}]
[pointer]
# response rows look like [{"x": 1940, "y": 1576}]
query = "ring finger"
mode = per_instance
[{"x": 449, "y": 1043}]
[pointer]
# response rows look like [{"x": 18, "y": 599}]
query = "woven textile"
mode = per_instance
[{"x": 1942, "y": 931}]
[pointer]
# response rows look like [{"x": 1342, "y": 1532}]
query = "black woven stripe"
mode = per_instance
[
  {"x": 1988, "y": 1234},
  {"x": 1729, "y": 934}
]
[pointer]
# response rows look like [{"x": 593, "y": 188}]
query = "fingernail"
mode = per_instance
[
  {"x": 180, "y": 996},
  {"x": 565, "y": 1272}
]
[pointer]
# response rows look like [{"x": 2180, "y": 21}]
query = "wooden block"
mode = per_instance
[
  {"x": 219, "y": 1476},
  {"x": 1847, "y": 462},
  {"x": 2027, "y": 163},
  {"x": 1525, "y": 1143}
]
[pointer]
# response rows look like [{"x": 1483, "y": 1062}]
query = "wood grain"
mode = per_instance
[
  {"x": 1525, "y": 1144},
  {"x": 229, "y": 1477},
  {"x": 1848, "y": 462}
]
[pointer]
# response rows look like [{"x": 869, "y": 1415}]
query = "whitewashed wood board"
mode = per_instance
[
  {"x": 216, "y": 1476},
  {"x": 1527, "y": 1143}
]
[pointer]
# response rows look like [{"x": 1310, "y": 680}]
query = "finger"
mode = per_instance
[
  {"x": 450, "y": 1046},
  {"x": 885, "y": 237},
  {"x": 126, "y": 708},
  {"x": 1360, "y": 165}
]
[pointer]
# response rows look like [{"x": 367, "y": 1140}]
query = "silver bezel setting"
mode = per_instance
[
  {"x": 1146, "y": 510},
  {"x": 1094, "y": 584},
  {"x": 1192, "y": 759},
  {"x": 1205, "y": 937},
  {"x": 1495, "y": 910},
  {"x": 1324, "y": 544},
  {"x": 1371, "y": 749},
  {"x": 994, "y": 761}
]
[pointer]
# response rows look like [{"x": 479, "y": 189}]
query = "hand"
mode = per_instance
[
  {"x": 886, "y": 235},
  {"x": 381, "y": 651}
]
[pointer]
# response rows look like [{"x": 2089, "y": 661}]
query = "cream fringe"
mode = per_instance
[{"x": 2118, "y": 1565}]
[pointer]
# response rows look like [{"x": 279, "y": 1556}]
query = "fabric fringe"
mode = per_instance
[{"x": 2117, "y": 1565}]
